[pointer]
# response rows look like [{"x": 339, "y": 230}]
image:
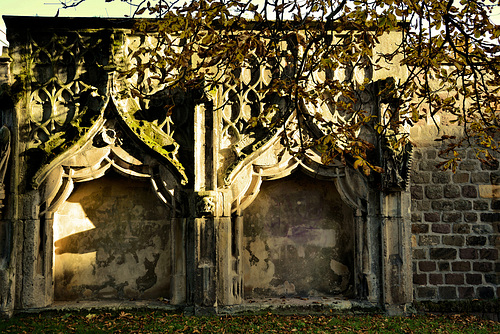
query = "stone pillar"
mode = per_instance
[
  {"x": 230, "y": 270},
  {"x": 37, "y": 252},
  {"x": 215, "y": 237},
  {"x": 397, "y": 275},
  {"x": 178, "y": 241},
  {"x": 8, "y": 202}
]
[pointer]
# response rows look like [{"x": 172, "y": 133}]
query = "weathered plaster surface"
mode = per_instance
[
  {"x": 112, "y": 241},
  {"x": 298, "y": 240}
]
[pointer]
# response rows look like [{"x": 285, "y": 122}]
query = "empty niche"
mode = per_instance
[
  {"x": 298, "y": 240},
  {"x": 112, "y": 241}
]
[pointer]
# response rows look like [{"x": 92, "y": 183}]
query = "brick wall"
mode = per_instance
[{"x": 455, "y": 227}]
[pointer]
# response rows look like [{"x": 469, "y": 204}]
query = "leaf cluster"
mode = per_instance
[{"x": 322, "y": 57}]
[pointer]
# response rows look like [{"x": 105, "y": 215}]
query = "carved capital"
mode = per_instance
[
  {"x": 210, "y": 204},
  {"x": 205, "y": 206}
]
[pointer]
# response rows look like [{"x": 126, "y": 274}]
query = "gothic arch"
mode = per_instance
[{"x": 266, "y": 164}]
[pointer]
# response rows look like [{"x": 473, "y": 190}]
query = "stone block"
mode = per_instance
[
  {"x": 465, "y": 292},
  {"x": 468, "y": 165},
  {"x": 428, "y": 240},
  {"x": 494, "y": 240},
  {"x": 443, "y": 253},
  {"x": 476, "y": 240},
  {"x": 417, "y": 192},
  {"x": 461, "y": 177},
  {"x": 470, "y": 217},
  {"x": 460, "y": 266},
  {"x": 461, "y": 228},
  {"x": 492, "y": 278},
  {"x": 495, "y": 178},
  {"x": 432, "y": 217},
  {"x": 441, "y": 228},
  {"x": 482, "y": 229},
  {"x": 485, "y": 292},
  {"x": 423, "y": 205},
  {"x": 495, "y": 205},
  {"x": 420, "y": 177},
  {"x": 427, "y": 266},
  {"x": 434, "y": 191},
  {"x": 417, "y": 154},
  {"x": 418, "y": 254},
  {"x": 489, "y": 191},
  {"x": 452, "y": 217},
  {"x": 468, "y": 253},
  {"x": 441, "y": 177},
  {"x": 482, "y": 266},
  {"x": 419, "y": 228},
  {"x": 474, "y": 279},
  {"x": 416, "y": 217},
  {"x": 420, "y": 279},
  {"x": 490, "y": 165},
  {"x": 469, "y": 191},
  {"x": 453, "y": 240},
  {"x": 452, "y": 191},
  {"x": 481, "y": 177},
  {"x": 442, "y": 205},
  {"x": 488, "y": 254},
  {"x": 431, "y": 154},
  {"x": 435, "y": 279},
  {"x": 447, "y": 292},
  {"x": 480, "y": 205},
  {"x": 462, "y": 205},
  {"x": 455, "y": 279},
  {"x": 443, "y": 266},
  {"x": 428, "y": 165},
  {"x": 490, "y": 217},
  {"x": 426, "y": 292},
  {"x": 496, "y": 227}
]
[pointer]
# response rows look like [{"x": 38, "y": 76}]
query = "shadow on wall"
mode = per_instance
[
  {"x": 298, "y": 240},
  {"x": 112, "y": 242}
]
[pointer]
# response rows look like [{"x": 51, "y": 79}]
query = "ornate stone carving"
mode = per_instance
[
  {"x": 107, "y": 137},
  {"x": 67, "y": 89},
  {"x": 205, "y": 205},
  {"x": 158, "y": 116},
  {"x": 396, "y": 164},
  {"x": 66, "y": 86},
  {"x": 4, "y": 161}
]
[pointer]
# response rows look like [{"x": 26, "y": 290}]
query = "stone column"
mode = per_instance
[
  {"x": 397, "y": 275},
  {"x": 8, "y": 226},
  {"x": 214, "y": 265},
  {"x": 178, "y": 241}
]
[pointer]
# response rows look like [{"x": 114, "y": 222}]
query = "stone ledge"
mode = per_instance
[{"x": 312, "y": 305}]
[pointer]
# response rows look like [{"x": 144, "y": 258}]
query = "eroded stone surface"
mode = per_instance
[
  {"x": 298, "y": 240},
  {"x": 111, "y": 242}
]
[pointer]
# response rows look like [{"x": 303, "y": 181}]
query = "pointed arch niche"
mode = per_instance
[
  {"x": 110, "y": 213},
  {"x": 298, "y": 240},
  {"x": 306, "y": 229}
]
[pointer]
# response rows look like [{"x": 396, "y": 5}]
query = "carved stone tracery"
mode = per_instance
[{"x": 65, "y": 86}]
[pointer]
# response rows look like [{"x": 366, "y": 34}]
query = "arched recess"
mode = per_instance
[
  {"x": 273, "y": 162},
  {"x": 107, "y": 157}
]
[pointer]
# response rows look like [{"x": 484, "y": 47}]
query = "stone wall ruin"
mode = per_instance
[{"x": 105, "y": 199}]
